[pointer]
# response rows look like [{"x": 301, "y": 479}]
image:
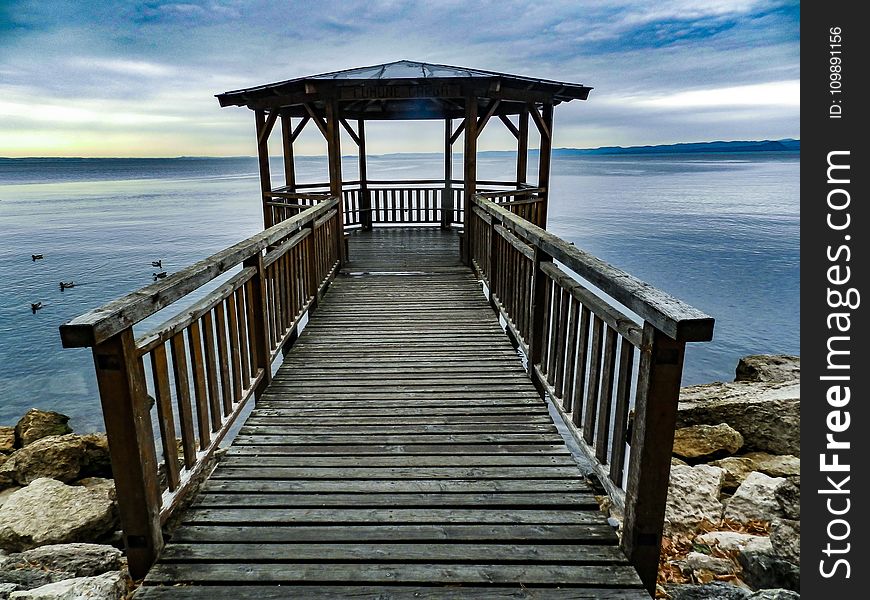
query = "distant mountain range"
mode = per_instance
[{"x": 786, "y": 145}]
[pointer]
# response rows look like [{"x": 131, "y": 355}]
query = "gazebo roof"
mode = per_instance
[{"x": 404, "y": 90}]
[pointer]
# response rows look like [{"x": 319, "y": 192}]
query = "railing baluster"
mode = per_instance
[
  {"x": 620, "y": 420},
  {"x": 211, "y": 370},
  {"x": 580, "y": 393},
  {"x": 567, "y": 392},
  {"x": 555, "y": 321},
  {"x": 561, "y": 335},
  {"x": 594, "y": 379},
  {"x": 223, "y": 358},
  {"x": 244, "y": 349},
  {"x": 165, "y": 417},
  {"x": 199, "y": 392},
  {"x": 602, "y": 436},
  {"x": 182, "y": 397},
  {"x": 235, "y": 355}
]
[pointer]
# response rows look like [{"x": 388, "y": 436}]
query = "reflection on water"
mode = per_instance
[{"x": 720, "y": 232}]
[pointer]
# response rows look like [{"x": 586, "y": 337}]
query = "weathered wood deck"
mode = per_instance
[{"x": 401, "y": 451}]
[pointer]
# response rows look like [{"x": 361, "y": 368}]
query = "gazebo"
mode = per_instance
[{"x": 405, "y": 90}]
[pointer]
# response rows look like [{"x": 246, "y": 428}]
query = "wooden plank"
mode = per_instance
[
  {"x": 395, "y": 552},
  {"x": 350, "y": 516},
  {"x": 182, "y": 398},
  {"x": 507, "y": 460},
  {"x": 315, "y": 592},
  {"x": 596, "y": 533},
  {"x": 574, "y": 487},
  {"x": 510, "y": 500},
  {"x": 388, "y": 573}
]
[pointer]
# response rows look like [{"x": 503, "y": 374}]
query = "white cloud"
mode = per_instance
[{"x": 777, "y": 93}]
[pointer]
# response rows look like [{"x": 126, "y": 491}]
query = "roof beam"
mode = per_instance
[
  {"x": 509, "y": 124},
  {"x": 490, "y": 110},
  {"x": 539, "y": 121},
  {"x": 299, "y": 128},
  {"x": 321, "y": 124},
  {"x": 458, "y": 132},
  {"x": 263, "y": 134},
  {"x": 350, "y": 131}
]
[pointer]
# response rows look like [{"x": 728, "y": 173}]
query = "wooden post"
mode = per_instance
[
  {"x": 658, "y": 389},
  {"x": 261, "y": 350},
  {"x": 544, "y": 163},
  {"x": 523, "y": 147},
  {"x": 447, "y": 197},
  {"x": 365, "y": 200},
  {"x": 493, "y": 260},
  {"x": 333, "y": 142},
  {"x": 263, "y": 158},
  {"x": 470, "y": 171},
  {"x": 289, "y": 161},
  {"x": 123, "y": 394},
  {"x": 539, "y": 314}
]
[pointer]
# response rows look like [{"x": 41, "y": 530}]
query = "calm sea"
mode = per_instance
[{"x": 718, "y": 231}]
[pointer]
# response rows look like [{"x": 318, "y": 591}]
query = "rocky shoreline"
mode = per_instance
[
  {"x": 58, "y": 514},
  {"x": 732, "y": 521}
]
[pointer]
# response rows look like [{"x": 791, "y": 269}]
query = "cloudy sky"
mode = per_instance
[{"x": 127, "y": 78}]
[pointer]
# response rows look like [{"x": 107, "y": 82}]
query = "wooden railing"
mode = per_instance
[
  {"x": 598, "y": 364},
  {"x": 411, "y": 202},
  {"x": 202, "y": 365}
]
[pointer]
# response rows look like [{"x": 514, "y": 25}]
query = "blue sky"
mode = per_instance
[{"x": 125, "y": 78}]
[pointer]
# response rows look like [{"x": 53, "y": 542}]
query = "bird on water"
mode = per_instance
[
  {"x": 66, "y": 285},
  {"x": 157, "y": 263},
  {"x": 36, "y": 257},
  {"x": 35, "y": 306},
  {"x": 159, "y": 275}
]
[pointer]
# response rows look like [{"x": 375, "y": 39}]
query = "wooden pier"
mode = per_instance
[
  {"x": 426, "y": 332},
  {"x": 402, "y": 445}
]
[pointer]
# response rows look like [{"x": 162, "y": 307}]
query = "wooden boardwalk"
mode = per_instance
[{"x": 401, "y": 451}]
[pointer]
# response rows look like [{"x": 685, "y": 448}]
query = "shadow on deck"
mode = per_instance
[{"x": 401, "y": 451}]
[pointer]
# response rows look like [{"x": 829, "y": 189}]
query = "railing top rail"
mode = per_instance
[
  {"x": 102, "y": 323},
  {"x": 672, "y": 316}
]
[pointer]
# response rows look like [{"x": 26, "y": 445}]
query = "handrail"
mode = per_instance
[
  {"x": 595, "y": 362},
  {"x": 202, "y": 365},
  {"x": 670, "y": 315},
  {"x": 102, "y": 323}
]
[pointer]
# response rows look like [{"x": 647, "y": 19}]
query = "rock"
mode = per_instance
[
  {"x": 109, "y": 586},
  {"x": 712, "y": 591},
  {"x": 763, "y": 569},
  {"x": 51, "y": 512},
  {"x": 677, "y": 462},
  {"x": 96, "y": 461},
  {"x": 737, "y": 468},
  {"x": 7, "y": 440},
  {"x": 705, "y": 440},
  {"x": 729, "y": 541},
  {"x": 774, "y": 595},
  {"x": 767, "y": 415},
  {"x": 78, "y": 560},
  {"x": 754, "y": 500},
  {"x": 36, "y": 424},
  {"x": 27, "y": 579},
  {"x": 785, "y": 537},
  {"x": 693, "y": 497},
  {"x": 6, "y": 589},
  {"x": 768, "y": 368},
  {"x": 4, "y": 495},
  {"x": 788, "y": 495},
  {"x": 697, "y": 561},
  {"x": 56, "y": 456}
]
